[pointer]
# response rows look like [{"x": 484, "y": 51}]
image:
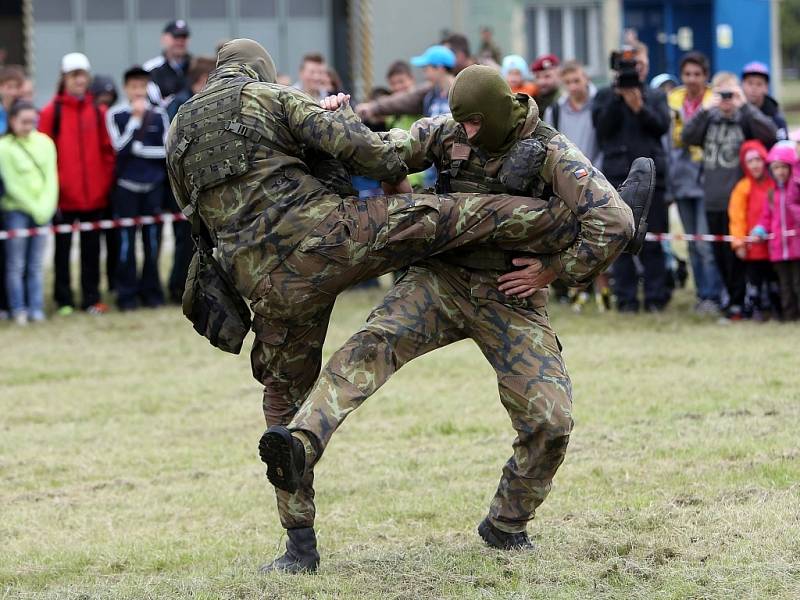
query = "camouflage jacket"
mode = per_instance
[
  {"x": 258, "y": 218},
  {"x": 606, "y": 222}
]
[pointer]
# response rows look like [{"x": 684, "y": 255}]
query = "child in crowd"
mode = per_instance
[
  {"x": 138, "y": 132},
  {"x": 744, "y": 212},
  {"x": 30, "y": 176},
  {"x": 85, "y": 175},
  {"x": 780, "y": 217},
  {"x": 12, "y": 79},
  {"x": 514, "y": 69}
]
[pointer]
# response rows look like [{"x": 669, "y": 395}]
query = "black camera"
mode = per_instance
[
  {"x": 624, "y": 63},
  {"x": 726, "y": 95}
]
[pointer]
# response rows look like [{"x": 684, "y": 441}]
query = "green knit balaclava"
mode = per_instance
[
  {"x": 482, "y": 91},
  {"x": 247, "y": 52}
]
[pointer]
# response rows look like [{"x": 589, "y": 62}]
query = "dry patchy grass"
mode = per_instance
[{"x": 129, "y": 468}]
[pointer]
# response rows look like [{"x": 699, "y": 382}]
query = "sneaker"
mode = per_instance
[
  {"x": 706, "y": 307},
  {"x": 37, "y": 316},
  {"x": 65, "y": 311},
  {"x": 97, "y": 309},
  {"x": 4, "y": 315},
  {"x": 21, "y": 318}
]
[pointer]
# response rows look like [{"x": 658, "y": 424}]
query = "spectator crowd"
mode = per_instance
[{"x": 719, "y": 144}]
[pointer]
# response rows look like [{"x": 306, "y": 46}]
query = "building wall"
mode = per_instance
[
  {"x": 116, "y": 34},
  {"x": 750, "y": 26}
]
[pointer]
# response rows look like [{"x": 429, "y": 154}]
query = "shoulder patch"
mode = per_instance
[{"x": 580, "y": 173}]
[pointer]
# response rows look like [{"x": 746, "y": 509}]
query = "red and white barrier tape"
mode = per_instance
[
  {"x": 694, "y": 237},
  {"x": 91, "y": 225},
  {"x": 170, "y": 217}
]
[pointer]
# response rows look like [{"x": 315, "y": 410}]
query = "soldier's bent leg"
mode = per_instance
[
  {"x": 536, "y": 391},
  {"x": 286, "y": 358},
  {"x": 366, "y": 238},
  {"x": 419, "y": 314}
]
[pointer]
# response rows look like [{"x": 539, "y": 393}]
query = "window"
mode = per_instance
[
  {"x": 569, "y": 32},
  {"x": 580, "y": 22},
  {"x": 305, "y": 8},
  {"x": 105, "y": 10},
  {"x": 208, "y": 9},
  {"x": 50, "y": 11},
  {"x": 255, "y": 9},
  {"x": 555, "y": 26},
  {"x": 157, "y": 10}
]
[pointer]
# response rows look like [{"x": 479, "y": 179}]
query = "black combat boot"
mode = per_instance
[
  {"x": 637, "y": 192},
  {"x": 285, "y": 457},
  {"x": 301, "y": 553},
  {"x": 502, "y": 540}
]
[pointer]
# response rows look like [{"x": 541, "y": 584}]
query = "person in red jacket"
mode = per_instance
[
  {"x": 744, "y": 212},
  {"x": 85, "y": 174}
]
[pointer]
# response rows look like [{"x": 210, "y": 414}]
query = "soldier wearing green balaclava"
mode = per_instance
[
  {"x": 481, "y": 92},
  {"x": 493, "y": 142}
]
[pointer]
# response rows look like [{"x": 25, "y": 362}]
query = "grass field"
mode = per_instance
[{"x": 129, "y": 468}]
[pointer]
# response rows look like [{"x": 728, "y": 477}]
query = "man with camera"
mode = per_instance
[{"x": 630, "y": 120}]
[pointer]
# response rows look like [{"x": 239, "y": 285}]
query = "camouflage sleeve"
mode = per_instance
[
  {"x": 341, "y": 134},
  {"x": 606, "y": 222},
  {"x": 175, "y": 172},
  {"x": 419, "y": 147}
]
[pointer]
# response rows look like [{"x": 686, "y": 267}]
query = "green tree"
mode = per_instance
[{"x": 790, "y": 33}]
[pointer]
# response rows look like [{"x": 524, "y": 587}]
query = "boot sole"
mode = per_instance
[
  {"x": 275, "y": 449},
  {"x": 635, "y": 245}
]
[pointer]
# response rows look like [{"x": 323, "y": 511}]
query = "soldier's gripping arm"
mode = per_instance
[
  {"x": 606, "y": 221},
  {"x": 341, "y": 134},
  {"x": 419, "y": 147}
]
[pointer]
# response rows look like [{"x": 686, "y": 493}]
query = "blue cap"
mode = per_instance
[
  {"x": 661, "y": 79},
  {"x": 435, "y": 56}
]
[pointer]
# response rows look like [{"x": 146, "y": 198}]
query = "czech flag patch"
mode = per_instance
[{"x": 580, "y": 173}]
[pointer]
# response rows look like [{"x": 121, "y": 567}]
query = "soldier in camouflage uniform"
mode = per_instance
[
  {"x": 237, "y": 156},
  {"x": 446, "y": 299}
]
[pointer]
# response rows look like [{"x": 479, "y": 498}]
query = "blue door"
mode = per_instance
[{"x": 670, "y": 28}]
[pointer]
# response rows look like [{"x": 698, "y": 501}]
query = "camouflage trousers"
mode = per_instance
[
  {"x": 431, "y": 306},
  {"x": 360, "y": 240}
]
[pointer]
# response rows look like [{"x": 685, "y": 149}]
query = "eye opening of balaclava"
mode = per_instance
[
  {"x": 481, "y": 91},
  {"x": 248, "y": 52}
]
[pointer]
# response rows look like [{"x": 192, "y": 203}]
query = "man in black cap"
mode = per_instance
[
  {"x": 168, "y": 77},
  {"x": 168, "y": 71}
]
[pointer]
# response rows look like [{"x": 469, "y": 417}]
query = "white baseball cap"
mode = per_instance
[{"x": 75, "y": 61}]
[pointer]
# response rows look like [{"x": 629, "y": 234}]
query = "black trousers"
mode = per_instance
[
  {"x": 184, "y": 248},
  {"x": 760, "y": 278},
  {"x": 654, "y": 266},
  {"x": 730, "y": 267},
  {"x": 111, "y": 239},
  {"x": 131, "y": 288},
  {"x": 90, "y": 260},
  {"x": 789, "y": 276}
]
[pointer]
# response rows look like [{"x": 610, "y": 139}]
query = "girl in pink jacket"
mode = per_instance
[{"x": 781, "y": 218}]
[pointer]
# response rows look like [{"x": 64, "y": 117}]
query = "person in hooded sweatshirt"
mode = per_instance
[
  {"x": 744, "y": 212},
  {"x": 85, "y": 174},
  {"x": 755, "y": 84},
  {"x": 781, "y": 220},
  {"x": 723, "y": 123}
]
